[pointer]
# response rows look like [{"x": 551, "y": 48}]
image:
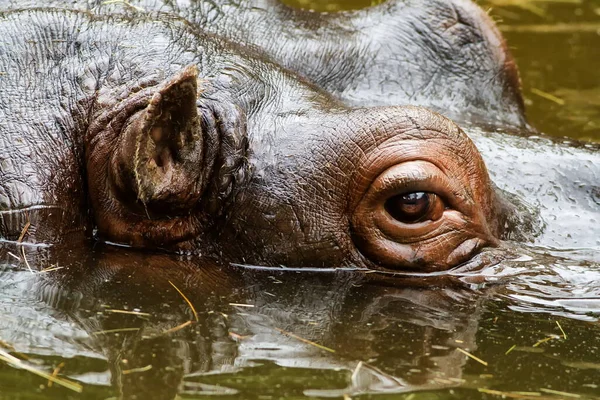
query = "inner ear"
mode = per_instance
[
  {"x": 172, "y": 120},
  {"x": 159, "y": 155}
]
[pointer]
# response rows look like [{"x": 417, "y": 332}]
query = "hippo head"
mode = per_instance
[
  {"x": 296, "y": 179},
  {"x": 188, "y": 143}
]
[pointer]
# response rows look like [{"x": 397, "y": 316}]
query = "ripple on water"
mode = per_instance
[{"x": 565, "y": 283}]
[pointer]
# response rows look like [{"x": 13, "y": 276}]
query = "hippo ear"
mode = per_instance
[{"x": 159, "y": 155}]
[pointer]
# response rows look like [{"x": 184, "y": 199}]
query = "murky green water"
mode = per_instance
[{"x": 112, "y": 320}]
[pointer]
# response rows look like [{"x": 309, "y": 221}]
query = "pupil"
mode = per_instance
[
  {"x": 410, "y": 207},
  {"x": 413, "y": 198}
]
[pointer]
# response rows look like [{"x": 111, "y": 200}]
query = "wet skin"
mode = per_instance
[
  {"x": 214, "y": 150},
  {"x": 289, "y": 174},
  {"x": 444, "y": 55}
]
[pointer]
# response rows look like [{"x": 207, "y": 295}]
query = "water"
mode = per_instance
[{"x": 113, "y": 321}]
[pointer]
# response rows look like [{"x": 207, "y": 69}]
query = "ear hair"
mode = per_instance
[{"x": 160, "y": 151}]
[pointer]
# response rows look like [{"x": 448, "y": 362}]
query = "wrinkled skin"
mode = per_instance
[
  {"x": 444, "y": 55},
  {"x": 288, "y": 174}
]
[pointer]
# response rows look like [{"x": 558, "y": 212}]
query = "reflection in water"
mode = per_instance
[{"x": 114, "y": 317}]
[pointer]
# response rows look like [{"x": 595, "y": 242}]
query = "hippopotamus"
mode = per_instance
[{"x": 205, "y": 129}]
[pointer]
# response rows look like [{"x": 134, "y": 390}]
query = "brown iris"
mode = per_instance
[{"x": 411, "y": 208}]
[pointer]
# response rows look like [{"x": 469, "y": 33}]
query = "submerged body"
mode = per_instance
[{"x": 158, "y": 134}]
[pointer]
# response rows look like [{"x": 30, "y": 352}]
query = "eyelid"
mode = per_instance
[{"x": 414, "y": 176}]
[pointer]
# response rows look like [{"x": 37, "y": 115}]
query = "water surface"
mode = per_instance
[{"x": 113, "y": 320}]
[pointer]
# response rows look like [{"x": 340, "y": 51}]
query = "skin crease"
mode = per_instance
[{"x": 284, "y": 148}]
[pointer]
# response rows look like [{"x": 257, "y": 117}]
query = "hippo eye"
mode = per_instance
[
  {"x": 411, "y": 208},
  {"x": 414, "y": 215}
]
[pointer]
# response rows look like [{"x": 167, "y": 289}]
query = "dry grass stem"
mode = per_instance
[
  {"x": 25, "y": 259},
  {"x": 178, "y": 327},
  {"x": 138, "y": 313},
  {"x": 466, "y": 353},
  {"x": 290, "y": 334},
  {"x": 118, "y": 330},
  {"x": 548, "y": 96},
  {"x": 15, "y": 362},
  {"x": 186, "y": 300},
  {"x": 11, "y": 348},
  {"x": 237, "y": 336},
  {"x": 356, "y": 371},
  {"x": 516, "y": 395},
  {"x": 24, "y": 232},
  {"x": 544, "y": 340},
  {"x": 55, "y": 373},
  {"x": 511, "y": 349},
  {"x": 589, "y": 27},
  {"x": 134, "y": 370},
  {"x": 559, "y": 393},
  {"x": 6, "y": 345},
  {"x": 50, "y": 269},
  {"x": 561, "y": 329},
  {"x": 536, "y": 394},
  {"x": 241, "y": 305}
]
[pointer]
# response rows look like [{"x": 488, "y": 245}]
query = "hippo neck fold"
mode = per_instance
[{"x": 354, "y": 56}]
